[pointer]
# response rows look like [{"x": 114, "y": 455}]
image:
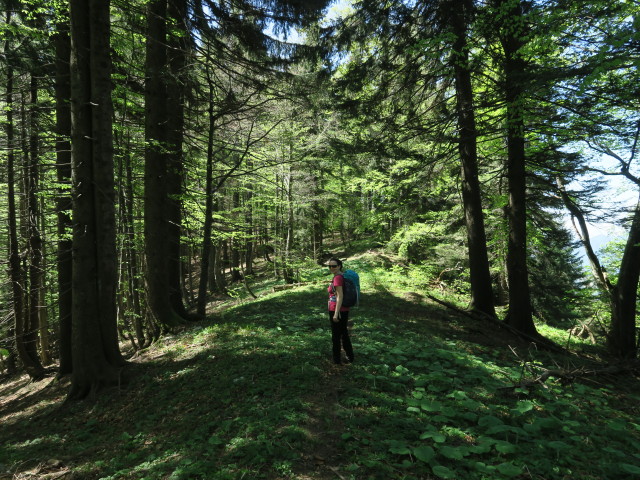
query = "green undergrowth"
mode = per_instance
[{"x": 252, "y": 394}]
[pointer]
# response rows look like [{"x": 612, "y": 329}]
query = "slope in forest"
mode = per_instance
[{"x": 252, "y": 393}]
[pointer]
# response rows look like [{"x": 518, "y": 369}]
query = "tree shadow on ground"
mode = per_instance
[{"x": 254, "y": 394}]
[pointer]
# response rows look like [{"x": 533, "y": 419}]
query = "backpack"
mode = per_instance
[{"x": 351, "y": 289}]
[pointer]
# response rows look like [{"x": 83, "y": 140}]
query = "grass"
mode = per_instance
[{"x": 252, "y": 394}]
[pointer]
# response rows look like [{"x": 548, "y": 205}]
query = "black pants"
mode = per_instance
[{"x": 340, "y": 337}]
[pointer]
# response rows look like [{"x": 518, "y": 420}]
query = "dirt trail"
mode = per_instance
[{"x": 325, "y": 427}]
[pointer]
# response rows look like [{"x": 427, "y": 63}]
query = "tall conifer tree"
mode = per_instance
[{"x": 95, "y": 351}]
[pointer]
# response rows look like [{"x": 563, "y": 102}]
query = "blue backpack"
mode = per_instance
[{"x": 351, "y": 289}]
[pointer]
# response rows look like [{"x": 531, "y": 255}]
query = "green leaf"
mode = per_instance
[
  {"x": 614, "y": 451},
  {"x": 618, "y": 425},
  {"x": 630, "y": 468},
  {"x": 443, "y": 472},
  {"x": 435, "y": 436},
  {"x": 501, "y": 429},
  {"x": 215, "y": 440},
  {"x": 524, "y": 406},
  {"x": 458, "y": 395},
  {"x": 489, "y": 421},
  {"x": 505, "y": 447},
  {"x": 483, "y": 444},
  {"x": 558, "y": 445},
  {"x": 454, "y": 453},
  {"x": 483, "y": 467},
  {"x": 509, "y": 469},
  {"x": 400, "y": 449},
  {"x": 431, "y": 406},
  {"x": 424, "y": 453},
  {"x": 481, "y": 448}
]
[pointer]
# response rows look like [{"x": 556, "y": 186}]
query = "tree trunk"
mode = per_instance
[
  {"x": 131, "y": 254},
  {"x": 32, "y": 173},
  {"x": 219, "y": 267},
  {"x": 178, "y": 44},
  {"x": 234, "y": 244},
  {"x": 622, "y": 337},
  {"x": 95, "y": 351},
  {"x": 250, "y": 241},
  {"x": 480, "y": 276},
  {"x": 63, "y": 198},
  {"x": 520, "y": 313},
  {"x": 287, "y": 230},
  {"x": 623, "y": 296},
  {"x": 318, "y": 218},
  {"x": 43, "y": 314},
  {"x": 30, "y": 363},
  {"x": 206, "y": 255},
  {"x": 156, "y": 203}
]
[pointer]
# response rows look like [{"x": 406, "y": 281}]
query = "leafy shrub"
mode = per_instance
[{"x": 416, "y": 242}]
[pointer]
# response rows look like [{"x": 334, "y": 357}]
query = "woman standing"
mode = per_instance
[{"x": 338, "y": 315}]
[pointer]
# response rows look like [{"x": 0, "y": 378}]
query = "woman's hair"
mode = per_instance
[{"x": 336, "y": 260}]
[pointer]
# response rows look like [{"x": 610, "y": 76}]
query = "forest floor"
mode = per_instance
[{"x": 251, "y": 393}]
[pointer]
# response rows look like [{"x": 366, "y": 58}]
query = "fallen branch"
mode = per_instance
[
  {"x": 583, "y": 331},
  {"x": 568, "y": 376}
]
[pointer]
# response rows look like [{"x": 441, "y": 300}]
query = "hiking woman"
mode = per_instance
[{"x": 338, "y": 315}]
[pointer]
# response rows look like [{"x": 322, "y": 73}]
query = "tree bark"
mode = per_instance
[
  {"x": 96, "y": 355},
  {"x": 178, "y": 44},
  {"x": 156, "y": 202},
  {"x": 30, "y": 363},
  {"x": 480, "y": 276},
  {"x": 520, "y": 313},
  {"x": 318, "y": 217},
  {"x": 622, "y": 337},
  {"x": 63, "y": 198},
  {"x": 249, "y": 247},
  {"x": 32, "y": 319},
  {"x": 623, "y": 296},
  {"x": 234, "y": 244},
  {"x": 206, "y": 256},
  {"x": 131, "y": 254},
  {"x": 287, "y": 229}
]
